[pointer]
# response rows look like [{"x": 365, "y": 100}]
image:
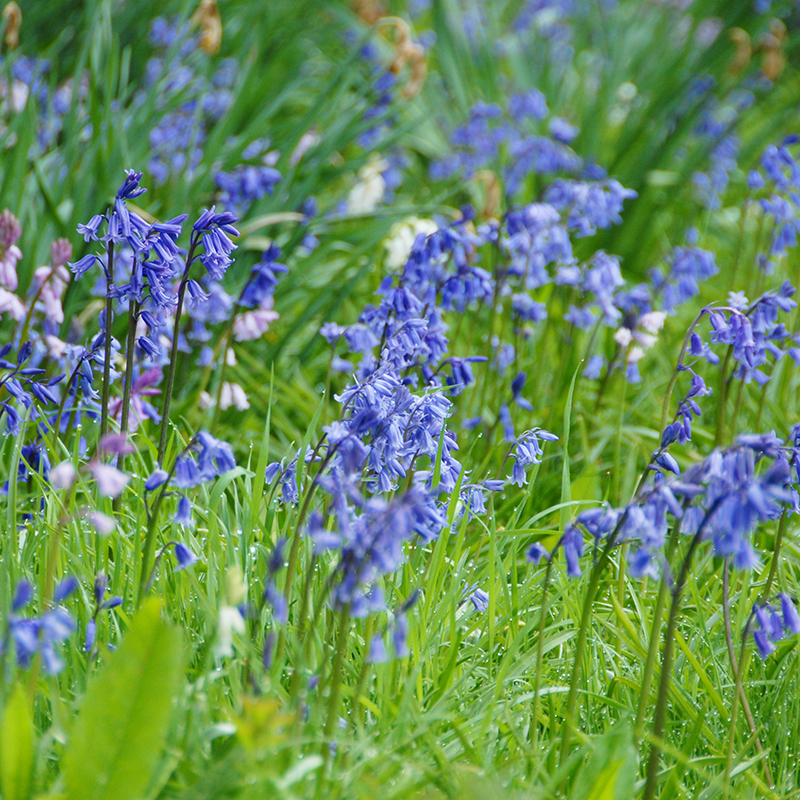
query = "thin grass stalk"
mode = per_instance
[
  {"x": 666, "y": 659},
  {"x": 336, "y": 677},
  {"x": 655, "y": 634},
  {"x": 133, "y": 318},
  {"x": 724, "y": 383},
  {"x": 173, "y": 356},
  {"x": 580, "y": 647},
  {"x": 537, "y": 686},
  {"x": 365, "y": 664},
  {"x": 738, "y": 681},
  {"x": 677, "y": 371},
  {"x": 107, "y": 343}
]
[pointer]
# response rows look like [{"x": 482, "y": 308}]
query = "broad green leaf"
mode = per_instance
[
  {"x": 16, "y": 746},
  {"x": 611, "y": 770},
  {"x": 120, "y": 732}
]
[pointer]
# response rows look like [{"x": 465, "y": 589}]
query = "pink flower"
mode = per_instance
[
  {"x": 63, "y": 475},
  {"x": 254, "y": 324},
  {"x": 140, "y": 409},
  {"x": 110, "y": 481},
  {"x": 8, "y": 267},
  {"x": 11, "y": 304}
]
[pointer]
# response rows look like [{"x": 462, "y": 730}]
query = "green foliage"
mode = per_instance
[
  {"x": 16, "y": 746},
  {"x": 118, "y": 737}
]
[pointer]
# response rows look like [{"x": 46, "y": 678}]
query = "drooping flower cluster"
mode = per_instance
[
  {"x": 774, "y": 626},
  {"x": 722, "y": 500}
]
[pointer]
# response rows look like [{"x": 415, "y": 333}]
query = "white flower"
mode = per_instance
[
  {"x": 8, "y": 267},
  {"x": 230, "y": 621},
  {"x": 402, "y": 237},
  {"x": 738, "y": 300},
  {"x": 102, "y": 523},
  {"x": 646, "y": 340},
  {"x": 307, "y": 141},
  {"x": 10, "y": 303},
  {"x": 62, "y": 476},
  {"x": 653, "y": 321},
  {"x": 367, "y": 194},
  {"x": 205, "y": 401},
  {"x": 254, "y": 324},
  {"x": 233, "y": 395},
  {"x": 635, "y": 354},
  {"x": 55, "y": 347},
  {"x": 110, "y": 481},
  {"x": 623, "y": 337},
  {"x": 230, "y": 357}
]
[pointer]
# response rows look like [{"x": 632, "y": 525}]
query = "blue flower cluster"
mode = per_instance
[
  {"x": 189, "y": 102},
  {"x": 721, "y": 499},
  {"x": 774, "y": 626},
  {"x": 40, "y": 635}
]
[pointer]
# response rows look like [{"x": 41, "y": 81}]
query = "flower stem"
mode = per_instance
[
  {"x": 666, "y": 658},
  {"x": 540, "y": 652},
  {"x": 133, "y": 318},
  {"x": 738, "y": 679},
  {"x": 724, "y": 383},
  {"x": 674, "y": 379},
  {"x": 145, "y": 580},
  {"x": 655, "y": 638},
  {"x": 173, "y": 357},
  {"x": 580, "y": 648},
  {"x": 336, "y": 674},
  {"x": 107, "y": 343}
]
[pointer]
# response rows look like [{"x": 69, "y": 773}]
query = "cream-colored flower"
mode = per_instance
[
  {"x": 368, "y": 192},
  {"x": 401, "y": 239}
]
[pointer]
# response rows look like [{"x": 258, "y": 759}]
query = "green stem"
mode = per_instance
[
  {"x": 580, "y": 648},
  {"x": 107, "y": 343},
  {"x": 736, "y": 407},
  {"x": 724, "y": 383},
  {"x": 23, "y": 336},
  {"x": 652, "y": 650},
  {"x": 336, "y": 676},
  {"x": 133, "y": 318},
  {"x": 666, "y": 659},
  {"x": 362, "y": 678},
  {"x": 149, "y": 546},
  {"x": 540, "y": 652},
  {"x": 738, "y": 675},
  {"x": 173, "y": 357},
  {"x": 674, "y": 379}
]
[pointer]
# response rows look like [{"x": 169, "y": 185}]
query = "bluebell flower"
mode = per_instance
[
  {"x": 536, "y": 552},
  {"x": 400, "y": 636},
  {"x": 158, "y": 478},
  {"x": 23, "y": 594},
  {"x": 275, "y": 598},
  {"x": 517, "y": 385},
  {"x": 478, "y": 598},
  {"x": 65, "y": 588},
  {"x": 186, "y": 558},
  {"x": 377, "y": 650},
  {"x": 572, "y": 544},
  {"x": 215, "y": 230},
  {"x": 183, "y": 515},
  {"x": 594, "y": 368}
]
